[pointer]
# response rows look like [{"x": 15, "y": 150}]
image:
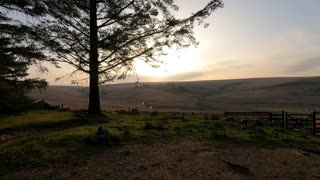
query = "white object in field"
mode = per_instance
[
  {"x": 150, "y": 107},
  {"x": 142, "y": 103}
]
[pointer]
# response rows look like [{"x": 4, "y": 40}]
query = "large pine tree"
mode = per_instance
[
  {"x": 18, "y": 51},
  {"x": 104, "y": 37}
]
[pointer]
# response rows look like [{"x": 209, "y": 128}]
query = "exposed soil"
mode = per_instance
[{"x": 187, "y": 159}]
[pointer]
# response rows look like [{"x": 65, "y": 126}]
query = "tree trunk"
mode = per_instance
[{"x": 94, "y": 98}]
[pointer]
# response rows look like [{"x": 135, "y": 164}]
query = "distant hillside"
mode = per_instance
[{"x": 298, "y": 94}]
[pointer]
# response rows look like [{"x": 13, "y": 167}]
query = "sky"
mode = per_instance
[{"x": 245, "y": 39}]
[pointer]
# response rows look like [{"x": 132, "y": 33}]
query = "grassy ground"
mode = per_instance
[{"x": 43, "y": 138}]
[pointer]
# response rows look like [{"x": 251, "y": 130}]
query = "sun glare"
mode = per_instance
[{"x": 175, "y": 62}]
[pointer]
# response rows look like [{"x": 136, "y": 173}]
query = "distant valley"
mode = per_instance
[{"x": 260, "y": 94}]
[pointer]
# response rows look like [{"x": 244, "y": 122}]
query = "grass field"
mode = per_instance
[{"x": 43, "y": 138}]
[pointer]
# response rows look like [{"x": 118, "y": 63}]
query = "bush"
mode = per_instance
[
  {"x": 148, "y": 126},
  {"x": 220, "y": 134},
  {"x": 206, "y": 116},
  {"x": 126, "y": 132},
  {"x": 12, "y": 103},
  {"x": 231, "y": 119},
  {"x": 44, "y": 105},
  {"x": 211, "y": 116},
  {"x": 154, "y": 113},
  {"x": 135, "y": 111},
  {"x": 19, "y": 104},
  {"x": 214, "y": 117},
  {"x": 122, "y": 112},
  {"x": 158, "y": 127}
]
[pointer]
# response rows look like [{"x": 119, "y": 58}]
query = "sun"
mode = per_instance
[{"x": 174, "y": 63}]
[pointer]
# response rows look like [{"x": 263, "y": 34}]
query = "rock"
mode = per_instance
[
  {"x": 102, "y": 132},
  {"x": 103, "y": 136}
]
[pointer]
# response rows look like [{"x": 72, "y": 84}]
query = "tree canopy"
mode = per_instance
[
  {"x": 17, "y": 52},
  {"x": 126, "y": 30},
  {"x": 104, "y": 37}
]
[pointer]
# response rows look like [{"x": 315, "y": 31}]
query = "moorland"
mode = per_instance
[
  {"x": 259, "y": 94},
  {"x": 183, "y": 136}
]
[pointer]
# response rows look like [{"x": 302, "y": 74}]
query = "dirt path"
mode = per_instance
[{"x": 186, "y": 160}]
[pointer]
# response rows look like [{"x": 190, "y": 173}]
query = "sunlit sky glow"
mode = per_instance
[{"x": 247, "y": 38}]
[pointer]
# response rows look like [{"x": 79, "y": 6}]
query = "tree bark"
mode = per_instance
[{"x": 94, "y": 97}]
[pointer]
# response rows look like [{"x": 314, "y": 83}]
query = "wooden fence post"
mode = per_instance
[
  {"x": 314, "y": 120},
  {"x": 283, "y": 123},
  {"x": 286, "y": 120}
]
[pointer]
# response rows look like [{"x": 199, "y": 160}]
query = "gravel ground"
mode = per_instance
[{"x": 187, "y": 159}]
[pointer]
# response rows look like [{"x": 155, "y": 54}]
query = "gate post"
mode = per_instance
[
  {"x": 283, "y": 117},
  {"x": 314, "y": 120},
  {"x": 286, "y": 120}
]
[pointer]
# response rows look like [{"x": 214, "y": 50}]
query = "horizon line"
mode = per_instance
[{"x": 181, "y": 81}]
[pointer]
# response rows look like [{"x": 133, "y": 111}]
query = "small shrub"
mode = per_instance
[
  {"x": 214, "y": 117},
  {"x": 64, "y": 110},
  {"x": 135, "y": 111},
  {"x": 148, "y": 126},
  {"x": 275, "y": 135},
  {"x": 175, "y": 113},
  {"x": 126, "y": 132},
  {"x": 281, "y": 130},
  {"x": 219, "y": 134},
  {"x": 251, "y": 122},
  {"x": 115, "y": 139},
  {"x": 46, "y": 106},
  {"x": 178, "y": 128},
  {"x": 259, "y": 132},
  {"x": 183, "y": 118},
  {"x": 211, "y": 116},
  {"x": 120, "y": 128},
  {"x": 154, "y": 113},
  {"x": 231, "y": 119},
  {"x": 161, "y": 127},
  {"x": 177, "y": 117},
  {"x": 122, "y": 112},
  {"x": 81, "y": 113},
  {"x": 206, "y": 116},
  {"x": 216, "y": 127},
  {"x": 158, "y": 127}
]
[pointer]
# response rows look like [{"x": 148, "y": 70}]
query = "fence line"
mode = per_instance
[{"x": 306, "y": 121}]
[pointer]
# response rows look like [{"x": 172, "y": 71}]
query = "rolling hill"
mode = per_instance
[{"x": 270, "y": 94}]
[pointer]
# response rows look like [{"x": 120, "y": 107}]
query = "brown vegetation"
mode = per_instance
[{"x": 270, "y": 94}]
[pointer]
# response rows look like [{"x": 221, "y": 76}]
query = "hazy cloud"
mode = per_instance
[
  {"x": 306, "y": 65},
  {"x": 186, "y": 76}
]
